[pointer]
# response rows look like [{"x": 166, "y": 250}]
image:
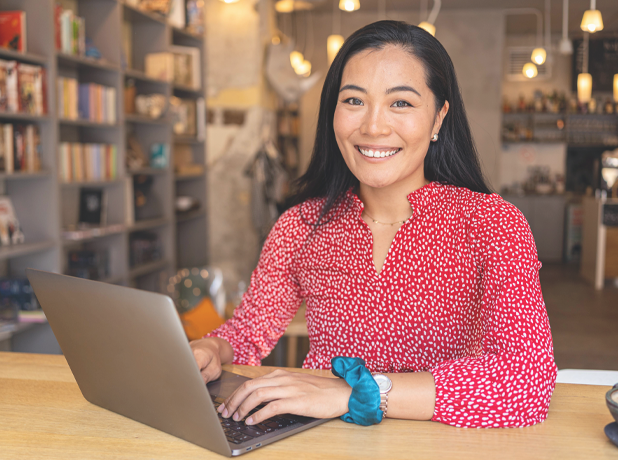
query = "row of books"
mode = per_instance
[
  {"x": 144, "y": 247},
  {"x": 70, "y": 31},
  {"x": 20, "y": 148},
  {"x": 182, "y": 65},
  {"x": 187, "y": 14},
  {"x": 88, "y": 264},
  {"x": 13, "y": 30},
  {"x": 87, "y": 162},
  {"x": 86, "y": 101},
  {"x": 22, "y": 88}
]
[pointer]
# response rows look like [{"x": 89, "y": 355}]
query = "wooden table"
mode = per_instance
[{"x": 44, "y": 416}]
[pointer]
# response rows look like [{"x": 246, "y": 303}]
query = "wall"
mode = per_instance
[{"x": 473, "y": 39}]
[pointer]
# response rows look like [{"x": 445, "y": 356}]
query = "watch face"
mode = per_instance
[{"x": 384, "y": 383}]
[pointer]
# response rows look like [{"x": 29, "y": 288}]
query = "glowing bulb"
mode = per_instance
[
  {"x": 539, "y": 55},
  {"x": 428, "y": 27},
  {"x": 296, "y": 59},
  {"x": 349, "y": 5},
  {"x": 530, "y": 70},
  {"x": 616, "y": 87},
  {"x": 284, "y": 6},
  {"x": 303, "y": 69},
  {"x": 333, "y": 44},
  {"x": 584, "y": 87},
  {"x": 592, "y": 21},
  {"x": 229, "y": 1}
]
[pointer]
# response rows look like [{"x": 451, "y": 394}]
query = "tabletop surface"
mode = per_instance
[{"x": 43, "y": 415}]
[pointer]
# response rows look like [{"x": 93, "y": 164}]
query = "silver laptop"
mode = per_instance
[{"x": 129, "y": 354}]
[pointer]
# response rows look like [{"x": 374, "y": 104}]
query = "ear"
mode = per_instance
[{"x": 440, "y": 117}]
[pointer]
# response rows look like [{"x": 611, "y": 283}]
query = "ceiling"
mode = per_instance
[{"x": 515, "y": 24}]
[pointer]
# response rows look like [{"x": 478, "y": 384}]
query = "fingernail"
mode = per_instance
[
  {"x": 249, "y": 421},
  {"x": 225, "y": 413},
  {"x": 236, "y": 416},
  {"x": 221, "y": 407}
]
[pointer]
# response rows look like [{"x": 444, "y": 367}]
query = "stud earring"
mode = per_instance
[{"x": 434, "y": 138}]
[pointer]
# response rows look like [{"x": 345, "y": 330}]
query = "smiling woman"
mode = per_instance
[{"x": 410, "y": 268}]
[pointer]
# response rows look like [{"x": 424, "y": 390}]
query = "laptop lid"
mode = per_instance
[{"x": 129, "y": 354}]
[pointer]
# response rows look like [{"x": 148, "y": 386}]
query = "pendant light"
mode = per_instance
[
  {"x": 584, "y": 79},
  {"x": 289, "y": 6},
  {"x": 335, "y": 40},
  {"x": 539, "y": 55},
  {"x": 229, "y": 1},
  {"x": 349, "y": 5},
  {"x": 566, "y": 46},
  {"x": 592, "y": 21},
  {"x": 530, "y": 70},
  {"x": 616, "y": 87},
  {"x": 428, "y": 25}
]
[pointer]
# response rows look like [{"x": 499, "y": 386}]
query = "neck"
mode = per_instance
[{"x": 389, "y": 204}]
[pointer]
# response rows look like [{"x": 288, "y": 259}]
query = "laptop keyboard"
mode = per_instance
[{"x": 238, "y": 432}]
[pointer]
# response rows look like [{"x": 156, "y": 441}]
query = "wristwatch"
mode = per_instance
[{"x": 385, "y": 385}]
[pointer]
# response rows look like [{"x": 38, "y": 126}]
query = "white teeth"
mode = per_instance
[{"x": 377, "y": 153}]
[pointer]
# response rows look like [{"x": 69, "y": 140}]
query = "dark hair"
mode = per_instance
[{"x": 452, "y": 160}]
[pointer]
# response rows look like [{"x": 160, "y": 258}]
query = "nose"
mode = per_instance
[{"x": 375, "y": 123}]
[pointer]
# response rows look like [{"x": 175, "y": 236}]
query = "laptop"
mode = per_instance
[{"x": 129, "y": 354}]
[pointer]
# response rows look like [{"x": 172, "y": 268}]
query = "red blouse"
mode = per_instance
[{"x": 458, "y": 296}]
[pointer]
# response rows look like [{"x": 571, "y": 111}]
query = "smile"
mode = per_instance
[{"x": 375, "y": 153}]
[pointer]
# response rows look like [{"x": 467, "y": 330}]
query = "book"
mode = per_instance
[
  {"x": 87, "y": 162},
  {"x": 177, "y": 16},
  {"x": 160, "y": 66},
  {"x": 13, "y": 30},
  {"x": 92, "y": 206},
  {"x": 30, "y": 89},
  {"x": 10, "y": 231},
  {"x": 8, "y": 148},
  {"x": 183, "y": 116},
  {"x": 9, "y": 96},
  {"x": 88, "y": 264},
  {"x": 195, "y": 17}
]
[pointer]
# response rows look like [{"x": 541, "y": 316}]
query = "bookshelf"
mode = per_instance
[{"x": 47, "y": 207}]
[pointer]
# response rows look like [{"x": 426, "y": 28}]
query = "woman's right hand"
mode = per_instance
[{"x": 210, "y": 353}]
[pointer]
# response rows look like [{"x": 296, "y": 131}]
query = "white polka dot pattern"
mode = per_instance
[{"x": 458, "y": 296}]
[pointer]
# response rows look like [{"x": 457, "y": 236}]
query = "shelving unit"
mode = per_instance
[{"x": 45, "y": 206}]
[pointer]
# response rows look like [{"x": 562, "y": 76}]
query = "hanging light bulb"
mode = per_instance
[
  {"x": 333, "y": 44},
  {"x": 296, "y": 59},
  {"x": 349, "y": 5},
  {"x": 288, "y": 6},
  {"x": 539, "y": 55},
  {"x": 616, "y": 87},
  {"x": 303, "y": 69},
  {"x": 530, "y": 70},
  {"x": 584, "y": 87},
  {"x": 428, "y": 27},
  {"x": 229, "y": 1},
  {"x": 592, "y": 21}
]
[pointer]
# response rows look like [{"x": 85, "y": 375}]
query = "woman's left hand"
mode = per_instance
[{"x": 288, "y": 393}]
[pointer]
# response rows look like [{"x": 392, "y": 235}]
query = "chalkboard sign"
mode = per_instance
[{"x": 602, "y": 62}]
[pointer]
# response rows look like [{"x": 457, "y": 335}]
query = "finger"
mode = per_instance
[
  {"x": 277, "y": 407},
  {"x": 202, "y": 357},
  {"x": 212, "y": 371},
  {"x": 243, "y": 391},
  {"x": 260, "y": 396}
]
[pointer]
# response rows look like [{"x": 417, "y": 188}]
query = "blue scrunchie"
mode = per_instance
[{"x": 364, "y": 403}]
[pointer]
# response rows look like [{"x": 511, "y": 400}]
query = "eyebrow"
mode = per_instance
[{"x": 388, "y": 91}]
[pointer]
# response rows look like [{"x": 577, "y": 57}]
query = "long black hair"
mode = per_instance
[{"x": 452, "y": 160}]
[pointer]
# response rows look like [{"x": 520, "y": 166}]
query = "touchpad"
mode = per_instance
[{"x": 225, "y": 385}]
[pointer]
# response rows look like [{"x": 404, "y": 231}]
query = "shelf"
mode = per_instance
[
  {"x": 137, "y": 15},
  {"x": 148, "y": 224},
  {"x": 24, "y": 175},
  {"x": 180, "y": 139},
  {"x": 79, "y": 236},
  {"x": 30, "y": 58},
  {"x": 7, "y": 252},
  {"x": 91, "y": 183},
  {"x": 75, "y": 61},
  {"x": 149, "y": 171},
  {"x": 188, "y": 89},
  {"x": 133, "y": 118},
  {"x": 188, "y": 216},
  {"x": 139, "y": 75},
  {"x": 183, "y": 177},
  {"x": 186, "y": 34},
  {"x": 150, "y": 267},
  {"x": 86, "y": 123},
  {"x": 10, "y": 116}
]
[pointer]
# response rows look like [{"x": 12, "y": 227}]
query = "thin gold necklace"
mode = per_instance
[{"x": 385, "y": 223}]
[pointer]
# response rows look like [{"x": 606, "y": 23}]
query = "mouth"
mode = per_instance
[{"x": 377, "y": 152}]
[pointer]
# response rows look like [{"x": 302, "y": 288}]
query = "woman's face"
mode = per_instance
[{"x": 385, "y": 118}]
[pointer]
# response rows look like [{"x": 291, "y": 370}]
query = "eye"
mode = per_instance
[
  {"x": 400, "y": 104},
  {"x": 353, "y": 101}
]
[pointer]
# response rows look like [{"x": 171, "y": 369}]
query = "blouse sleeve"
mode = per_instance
[
  {"x": 510, "y": 382},
  {"x": 271, "y": 301}
]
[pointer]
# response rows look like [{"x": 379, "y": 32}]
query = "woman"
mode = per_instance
[{"x": 403, "y": 256}]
